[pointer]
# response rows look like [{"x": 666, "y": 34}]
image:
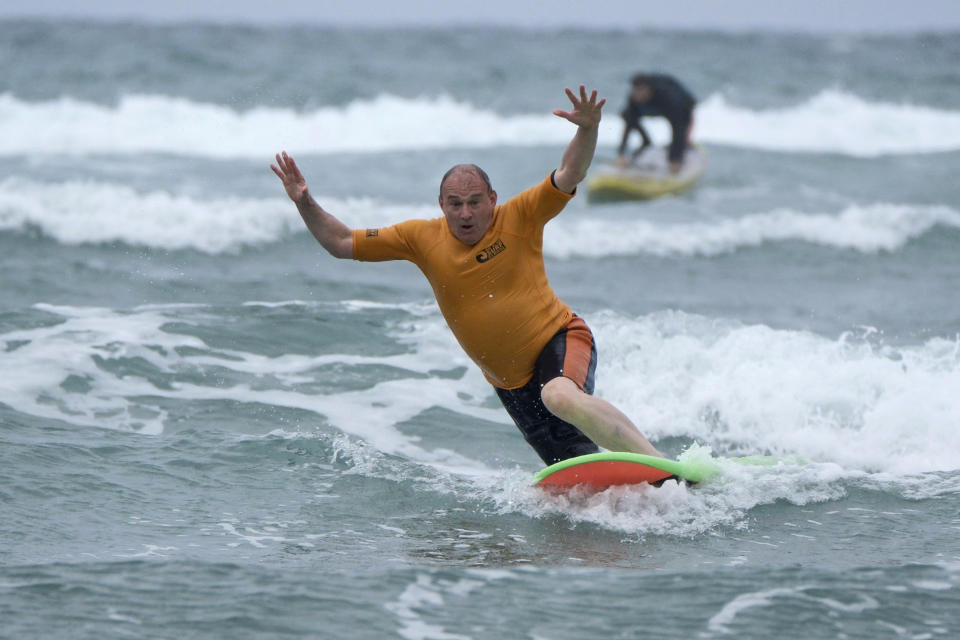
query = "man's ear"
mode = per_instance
[{"x": 493, "y": 197}]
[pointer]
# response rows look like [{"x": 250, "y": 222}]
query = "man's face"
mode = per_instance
[
  {"x": 641, "y": 93},
  {"x": 467, "y": 206}
]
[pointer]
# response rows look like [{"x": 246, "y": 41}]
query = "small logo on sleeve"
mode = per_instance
[{"x": 373, "y": 233}]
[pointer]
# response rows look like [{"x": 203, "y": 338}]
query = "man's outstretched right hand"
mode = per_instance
[{"x": 293, "y": 181}]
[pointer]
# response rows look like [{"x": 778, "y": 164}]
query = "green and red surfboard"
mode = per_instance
[{"x": 599, "y": 471}]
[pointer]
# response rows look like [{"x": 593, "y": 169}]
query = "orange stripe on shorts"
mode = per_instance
[{"x": 579, "y": 351}]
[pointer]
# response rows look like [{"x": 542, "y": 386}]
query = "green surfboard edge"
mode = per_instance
[{"x": 686, "y": 470}]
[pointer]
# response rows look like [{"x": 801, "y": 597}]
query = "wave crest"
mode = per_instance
[
  {"x": 831, "y": 122},
  {"x": 87, "y": 212},
  {"x": 863, "y": 228}
]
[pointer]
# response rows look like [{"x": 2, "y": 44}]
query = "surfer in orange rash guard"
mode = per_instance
[{"x": 484, "y": 261}]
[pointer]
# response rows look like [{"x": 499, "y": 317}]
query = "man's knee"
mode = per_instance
[{"x": 559, "y": 396}]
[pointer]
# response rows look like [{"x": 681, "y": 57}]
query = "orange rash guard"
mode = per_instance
[{"x": 494, "y": 295}]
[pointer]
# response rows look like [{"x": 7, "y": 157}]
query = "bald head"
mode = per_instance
[{"x": 469, "y": 169}]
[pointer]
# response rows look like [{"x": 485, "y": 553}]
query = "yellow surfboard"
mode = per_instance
[{"x": 650, "y": 177}]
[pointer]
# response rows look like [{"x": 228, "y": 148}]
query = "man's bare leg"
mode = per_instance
[{"x": 596, "y": 418}]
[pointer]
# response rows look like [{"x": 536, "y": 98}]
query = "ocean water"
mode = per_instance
[{"x": 209, "y": 428}]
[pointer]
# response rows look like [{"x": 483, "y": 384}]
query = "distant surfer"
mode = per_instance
[
  {"x": 485, "y": 264},
  {"x": 654, "y": 94}
]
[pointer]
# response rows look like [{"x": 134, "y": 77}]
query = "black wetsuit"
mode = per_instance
[{"x": 670, "y": 100}]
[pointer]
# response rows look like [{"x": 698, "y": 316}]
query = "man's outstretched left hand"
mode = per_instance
[{"x": 586, "y": 109}]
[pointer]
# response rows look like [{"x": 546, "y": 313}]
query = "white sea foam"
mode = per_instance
[
  {"x": 80, "y": 212},
  {"x": 836, "y": 411},
  {"x": 768, "y": 598},
  {"x": 62, "y": 376},
  {"x": 865, "y": 228},
  {"x": 850, "y": 401},
  {"x": 673, "y": 509},
  {"x": 845, "y": 409},
  {"x": 163, "y": 124},
  {"x": 833, "y": 121}
]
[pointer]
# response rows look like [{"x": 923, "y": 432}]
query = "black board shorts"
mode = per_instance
[{"x": 570, "y": 353}]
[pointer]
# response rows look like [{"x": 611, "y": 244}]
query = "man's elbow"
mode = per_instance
[
  {"x": 567, "y": 181},
  {"x": 342, "y": 250}
]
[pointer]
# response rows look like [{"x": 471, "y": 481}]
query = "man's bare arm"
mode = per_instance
[
  {"x": 576, "y": 159},
  {"x": 332, "y": 234}
]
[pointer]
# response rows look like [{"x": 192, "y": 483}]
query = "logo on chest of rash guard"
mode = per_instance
[{"x": 491, "y": 251}]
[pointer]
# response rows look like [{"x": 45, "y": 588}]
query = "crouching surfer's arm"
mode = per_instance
[{"x": 332, "y": 234}]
